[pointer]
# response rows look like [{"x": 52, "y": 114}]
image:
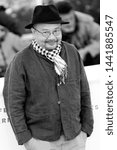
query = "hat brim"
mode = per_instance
[{"x": 52, "y": 22}]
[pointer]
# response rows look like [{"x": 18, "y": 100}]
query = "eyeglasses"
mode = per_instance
[{"x": 46, "y": 34}]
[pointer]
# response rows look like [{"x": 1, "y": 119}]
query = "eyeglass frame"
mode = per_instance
[{"x": 48, "y": 32}]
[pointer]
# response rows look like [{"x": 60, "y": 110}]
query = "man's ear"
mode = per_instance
[{"x": 33, "y": 30}]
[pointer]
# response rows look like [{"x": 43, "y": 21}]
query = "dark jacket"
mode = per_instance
[{"x": 38, "y": 106}]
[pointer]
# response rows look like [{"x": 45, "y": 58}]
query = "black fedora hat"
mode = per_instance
[{"x": 45, "y": 14}]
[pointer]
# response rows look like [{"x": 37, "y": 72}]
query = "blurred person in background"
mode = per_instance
[
  {"x": 10, "y": 44},
  {"x": 3, "y": 63},
  {"x": 21, "y": 11},
  {"x": 46, "y": 91},
  {"x": 11, "y": 40},
  {"x": 9, "y": 22},
  {"x": 82, "y": 31},
  {"x": 23, "y": 16}
]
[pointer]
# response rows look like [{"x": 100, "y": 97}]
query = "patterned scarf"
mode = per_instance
[{"x": 60, "y": 65}]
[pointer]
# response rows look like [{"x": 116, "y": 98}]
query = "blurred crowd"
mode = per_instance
[
  {"x": 91, "y": 7},
  {"x": 83, "y": 31}
]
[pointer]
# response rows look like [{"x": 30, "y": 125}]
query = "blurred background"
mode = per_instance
[{"x": 22, "y": 10}]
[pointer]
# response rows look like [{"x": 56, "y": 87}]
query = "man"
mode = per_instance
[
  {"x": 82, "y": 31},
  {"x": 46, "y": 91}
]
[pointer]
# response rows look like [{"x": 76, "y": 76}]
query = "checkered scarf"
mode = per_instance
[{"x": 59, "y": 64}]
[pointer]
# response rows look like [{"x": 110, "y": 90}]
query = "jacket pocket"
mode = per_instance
[
  {"x": 73, "y": 89},
  {"x": 33, "y": 118},
  {"x": 41, "y": 121}
]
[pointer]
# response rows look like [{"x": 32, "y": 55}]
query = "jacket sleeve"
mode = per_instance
[
  {"x": 86, "y": 114},
  {"x": 14, "y": 97}
]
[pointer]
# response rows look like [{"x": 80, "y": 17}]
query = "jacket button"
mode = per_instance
[
  {"x": 59, "y": 102},
  {"x": 58, "y": 84}
]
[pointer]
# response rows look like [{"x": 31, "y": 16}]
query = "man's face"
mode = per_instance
[
  {"x": 48, "y": 36},
  {"x": 2, "y": 32},
  {"x": 70, "y": 17}
]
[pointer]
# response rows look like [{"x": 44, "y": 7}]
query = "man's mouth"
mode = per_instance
[{"x": 52, "y": 42}]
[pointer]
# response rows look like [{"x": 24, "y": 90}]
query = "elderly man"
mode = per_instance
[
  {"x": 46, "y": 91},
  {"x": 82, "y": 31}
]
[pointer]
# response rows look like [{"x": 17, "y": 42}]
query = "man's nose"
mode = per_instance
[{"x": 52, "y": 36}]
